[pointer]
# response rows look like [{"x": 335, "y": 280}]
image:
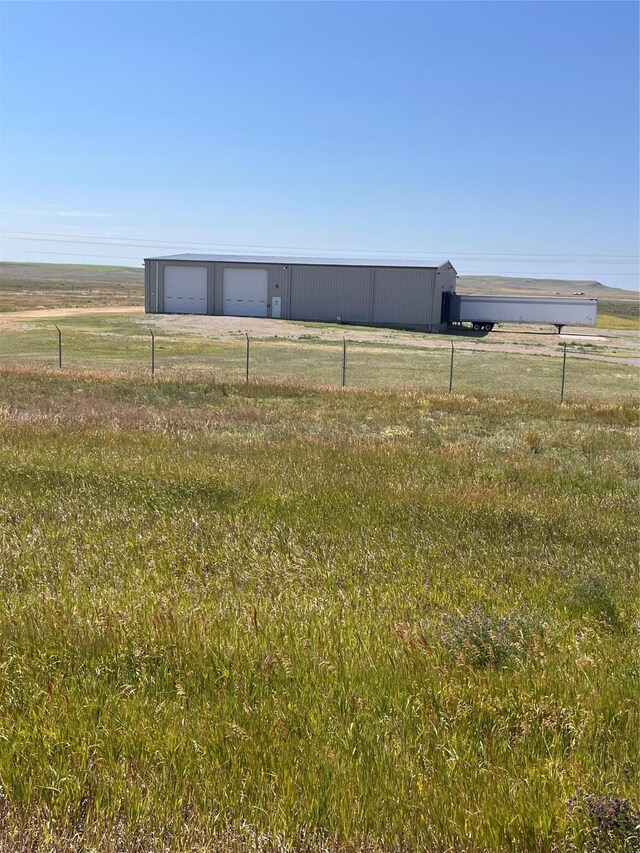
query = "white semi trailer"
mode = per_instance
[{"x": 483, "y": 312}]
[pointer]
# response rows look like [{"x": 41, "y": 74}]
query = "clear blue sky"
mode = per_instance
[{"x": 476, "y": 131}]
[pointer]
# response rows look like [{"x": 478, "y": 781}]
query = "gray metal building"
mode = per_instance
[{"x": 402, "y": 294}]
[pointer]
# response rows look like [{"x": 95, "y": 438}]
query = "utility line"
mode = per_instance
[
  {"x": 76, "y": 255},
  {"x": 483, "y": 274},
  {"x": 132, "y": 241},
  {"x": 467, "y": 259},
  {"x": 477, "y": 259}
]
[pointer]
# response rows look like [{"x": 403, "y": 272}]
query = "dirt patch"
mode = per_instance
[
  {"x": 588, "y": 338},
  {"x": 530, "y": 340},
  {"x": 11, "y": 318}
]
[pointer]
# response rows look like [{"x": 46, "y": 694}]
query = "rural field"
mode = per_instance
[
  {"x": 283, "y": 615},
  {"x": 263, "y": 617},
  {"x": 521, "y": 362},
  {"x": 103, "y": 326},
  {"x": 25, "y": 286}
]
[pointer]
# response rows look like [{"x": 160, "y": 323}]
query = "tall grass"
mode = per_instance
[{"x": 246, "y": 618}]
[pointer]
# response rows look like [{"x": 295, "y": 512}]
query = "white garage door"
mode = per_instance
[
  {"x": 185, "y": 290},
  {"x": 244, "y": 292}
]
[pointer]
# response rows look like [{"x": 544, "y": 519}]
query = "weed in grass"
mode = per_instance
[
  {"x": 483, "y": 640},
  {"x": 606, "y": 824}
]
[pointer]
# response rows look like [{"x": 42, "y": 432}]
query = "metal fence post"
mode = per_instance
[
  {"x": 344, "y": 362},
  {"x": 59, "y": 347},
  {"x": 564, "y": 371},
  {"x": 451, "y": 370},
  {"x": 247, "y": 367},
  {"x": 153, "y": 353}
]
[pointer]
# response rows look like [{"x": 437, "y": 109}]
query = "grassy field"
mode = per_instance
[
  {"x": 274, "y": 618},
  {"x": 25, "y": 286},
  {"x": 531, "y": 367},
  {"x": 618, "y": 314}
]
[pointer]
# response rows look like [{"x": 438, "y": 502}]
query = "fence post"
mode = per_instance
[
  {"x": 247, "y": 367},
  {"x": 344, "y": 362},
  {"x": 153, "y": 353},
  {"x": 59, "y": 347},
  {"x": 564, "y": 371},
  {"x": 451, "y": 370}
]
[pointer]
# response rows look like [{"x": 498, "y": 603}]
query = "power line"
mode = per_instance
[
  {"x": 132, "y": 241},
  {"x": 482, "y": 260},
  {"x": 76, "y": 255},
  {"x": 544, "y": 274},
  {"x": 475, "y": 259}
]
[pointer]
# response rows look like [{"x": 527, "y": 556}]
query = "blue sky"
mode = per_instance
[{"x": 502, "y": 135}]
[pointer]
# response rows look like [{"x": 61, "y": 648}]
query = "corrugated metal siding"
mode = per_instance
[
  {"x": 447, "y": 276},
  {"x": 151, "y": 304},
  {"x": 326, "y": 293},
  {"x": 210, "y": 288},
  {"x": 402, "y": 297},
  {"x": 217, "y": 288},
  {"x": 279, "y": 277},
  {"x": 147, "y": 287}
]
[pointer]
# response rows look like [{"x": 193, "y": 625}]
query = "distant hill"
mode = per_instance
[
  {"x": 25, "y": 286},
  {"x": 507, "y": 286},
  {"x": 78, "y": 274}
]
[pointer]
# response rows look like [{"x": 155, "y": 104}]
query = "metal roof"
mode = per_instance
[{"x": 289, "y": 260}]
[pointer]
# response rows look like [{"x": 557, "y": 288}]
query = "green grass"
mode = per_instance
[
  {"x": 264, "y": 615},
  {"x": 112, "y": 341}
]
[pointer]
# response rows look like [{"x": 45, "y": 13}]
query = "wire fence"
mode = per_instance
[{"x": 566, "y": 375}]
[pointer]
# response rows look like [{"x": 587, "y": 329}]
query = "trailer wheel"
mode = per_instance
[
  {"x": 477, "y": 327},
  {"x": 488, "y": 327}
]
